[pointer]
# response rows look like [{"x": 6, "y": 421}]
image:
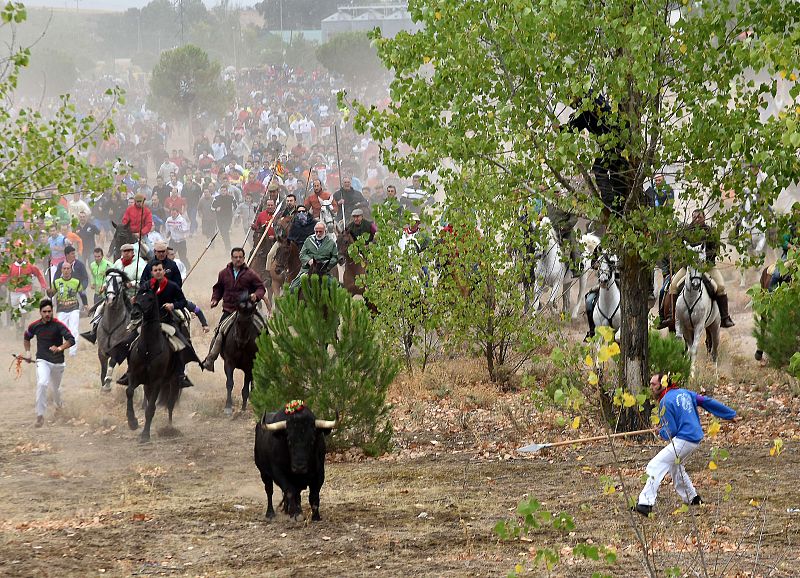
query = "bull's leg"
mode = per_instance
[
  {"x": 133, "y": 423},
  {"x": 229, "y": 386},
  {"x": 313, "y": 500},
  {"x": 151, "y": 394},
  {"x": 268, "y": 489}
]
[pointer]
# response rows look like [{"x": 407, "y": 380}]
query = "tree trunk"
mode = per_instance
[{"x": 635, "y": 279}]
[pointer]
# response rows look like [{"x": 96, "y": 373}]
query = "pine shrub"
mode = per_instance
[
  {"x": 324, "y": 350},
  {"x": 668, "y": 354},
  {"x": 777, "y": 323}
]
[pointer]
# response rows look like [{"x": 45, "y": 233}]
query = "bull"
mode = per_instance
[{"x": 290, "y": 451}]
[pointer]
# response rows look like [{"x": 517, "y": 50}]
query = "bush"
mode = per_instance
[
  {"x": 324, "y": 350},
  {"x": 668, "y": 354},
  {"x": 777, "y": 321}
]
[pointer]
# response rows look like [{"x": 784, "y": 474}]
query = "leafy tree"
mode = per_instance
[
  {"x": 42, "y": 158},
  {"x": 488, "y": 87},
  {"x": 323, "y": 349},
  {"x": 297, "y": 14},
  {"x": 352, "y": 55},
  {"x": 185, "y": 83}
]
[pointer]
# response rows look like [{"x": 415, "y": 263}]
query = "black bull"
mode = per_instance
[{"x": 290, "y": 450}]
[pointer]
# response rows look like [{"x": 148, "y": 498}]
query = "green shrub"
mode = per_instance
[
  {"x": 668, "y": 354},
  {"x": 777, "y": 322},
  {"x": 324, "y": 350}
]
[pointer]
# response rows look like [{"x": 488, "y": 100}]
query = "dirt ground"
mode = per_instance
[{"x": 81, "y": 496}]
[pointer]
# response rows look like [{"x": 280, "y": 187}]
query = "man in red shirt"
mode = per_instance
[
  {"x": 314, "y": 200},
  {"x": 138, "y": 217},
  {"x": 253, "y": 186},
  {"x": 175, "y": 201},
  {"x": 264, "y": 218},
  {"x": 20, "y": 283}
]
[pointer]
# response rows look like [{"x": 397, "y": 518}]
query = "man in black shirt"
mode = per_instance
[
  {"x": 52, "y": 338},
  {"x": 160, "y": 255},
  {"x": 192, "y": 192},
  {"x": 224, "y": 204},
  {"x": 88, "y": 232}
]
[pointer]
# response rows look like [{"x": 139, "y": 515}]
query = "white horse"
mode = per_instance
[
  {"x": 589, "y": 242},
  {"x": 696, "y": 313},
  {"x": 756, "y": 247},
  {"x": 607, "y": 309},
  {"x": 550, "y": 270},
  {"x": 327, "y": 217}
]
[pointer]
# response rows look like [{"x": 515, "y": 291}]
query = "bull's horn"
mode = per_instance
[
  {"x": 325, "y": 424},
  {"x": 277, "y": 426}
]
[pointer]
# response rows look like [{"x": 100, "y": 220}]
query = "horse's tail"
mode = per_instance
[{"x": 170, "y": 395}]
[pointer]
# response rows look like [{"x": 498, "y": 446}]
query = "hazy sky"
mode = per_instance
[{"x": 105, "y": 4}]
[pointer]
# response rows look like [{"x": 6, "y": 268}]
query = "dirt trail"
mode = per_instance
[{"x": 82, "y": 497}]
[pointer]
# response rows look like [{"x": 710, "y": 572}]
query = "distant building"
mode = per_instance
[{"x": 390, "y": 18}]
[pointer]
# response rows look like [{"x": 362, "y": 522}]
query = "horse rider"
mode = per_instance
[
  {"x": 361, "y": 226},
  {"x": 160, "y": 255},
  {"x": 790, "y": 240},
  {"x": 139, "y": 218},
  {"x": 319, "y": 254},
  {"x": 302, "y": 226},
  {"x": 285, "y": 218},
  {"x": 349, "y": 198},
  {"x": 700, "y": 235},
  {"x": 314, "y": 200},
  {"x": 234, "y": 280},
  {"x": 172, "y": 302}
]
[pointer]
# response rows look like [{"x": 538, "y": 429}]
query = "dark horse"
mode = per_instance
[
  {"x": 122, "y": 236},
  {"x": 151, "y": 362},
  {"x": 352, "y": 268},
  {"x": 287, "y": 259},
  {"x": 239, "y": 349}
]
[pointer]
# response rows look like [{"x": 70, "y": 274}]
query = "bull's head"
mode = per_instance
[{"x": 301, "y": 429}]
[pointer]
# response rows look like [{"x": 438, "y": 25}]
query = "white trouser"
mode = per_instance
[
  {"x": 72, "y": 320},
  {"x": 669, "y": 460},
  {"x": 48, "y": 374}
]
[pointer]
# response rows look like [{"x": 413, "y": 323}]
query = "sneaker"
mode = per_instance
[
  {"x": 727, "y": 323},
  {"x": 89, "y": 336},
  {"x": 643, "y": 509},
  {"x": 39, "y": 421},
  {"x": 696, "y": 501},
  {"x": 123, "y": 380},
  {"x": 184, "y": 381},
  {"x": 663, "y": 324}
]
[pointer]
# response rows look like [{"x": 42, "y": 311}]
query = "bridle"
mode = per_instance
[
  {"x": 690, "y": 280},
  {"x": 607, "y": 279}
]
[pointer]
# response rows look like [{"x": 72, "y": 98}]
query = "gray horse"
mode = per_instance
[
  {"x": 112, "y": 329},
  {"x": 696, "y": 311}
]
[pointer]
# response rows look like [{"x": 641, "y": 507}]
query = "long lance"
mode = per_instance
[
  {"x": 339, "y": 165},
  {"x": 262, "y": 201},
  {"x": 202, "y": 254},
  {"x": 264, "y": 234}
]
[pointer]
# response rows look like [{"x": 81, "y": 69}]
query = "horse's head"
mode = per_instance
[
  {"x": 245, "y": 305},
  {"x": 694, "y": 280},
  {"x": 343, "y": 241},
  {"x": 607, "y": 269},
  {"x": 115, "y": 284},
  {"x": 146, "y": 305}
]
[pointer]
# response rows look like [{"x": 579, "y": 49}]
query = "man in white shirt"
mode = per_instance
[
  {"x": 178, "y": 230},
  {"x": 167, "y": 168}
]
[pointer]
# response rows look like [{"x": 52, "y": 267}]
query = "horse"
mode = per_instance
[
  {"x": 123, "y": 235},
  {"x": 239, "y": 350},
  {"x": 606, "y": 311},
  {"x": 327, "y": 217},
  {"x": 112, "y": 329},
  {"x": 287, "y": 260},
  {"x": 151, "y": 362},
  {"x": 695, "y": 310},
  {"x": 756, "y": 247},
  {"x": 549, "y": 271},
  {"x": 352, "y": 269}
]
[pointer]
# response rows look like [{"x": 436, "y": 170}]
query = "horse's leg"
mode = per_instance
[
  {"x": 581, "y": 294},
  {"x": 150, "y": 395},
  {"x": 698, "y": 335},
  {"x": 248, "y": 379},
  {"x": 566, "y": 289},
  {"x": 133, "y": 423},
  {"x": 229, "y": 386},
  {"x": 105, "y": 384}
]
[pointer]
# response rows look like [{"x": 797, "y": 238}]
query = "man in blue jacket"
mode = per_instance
[{"x": 680, "y": 426}]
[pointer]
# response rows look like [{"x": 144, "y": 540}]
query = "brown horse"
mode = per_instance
[{"x": 352, "y": 269}]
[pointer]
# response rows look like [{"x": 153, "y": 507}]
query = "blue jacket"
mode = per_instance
[{"x": 679, "y": 418}]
